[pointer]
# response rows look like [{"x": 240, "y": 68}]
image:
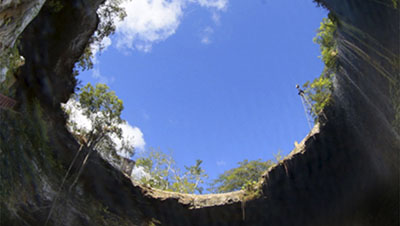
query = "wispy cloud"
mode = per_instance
[
  {"x": 96, "y": 74},
  {"x": 216, "y": 17},
  {"x": 206, "y": 35},
  {"x": 95, "y": 47},
  {"x": 216, "y": 4},
  {"x": 145, "y": 115},
  {"x": 152, "y": 21},
  {"x": 221, "y": 163}
]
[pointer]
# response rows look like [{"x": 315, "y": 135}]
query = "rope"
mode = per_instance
[
  {"x": 62, "y": 184},
  {"x": 80, "y": 170},
  {"x": 305, "y": 100},
  {"x": 305, "y": 112},
  {"x": 90, "y": 147}
]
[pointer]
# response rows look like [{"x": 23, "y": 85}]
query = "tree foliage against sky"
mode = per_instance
[
  {"x": 161, "y": 172},
  {"x": 248, "y": 172},
  {"x": 319, "y": 91},
  {"x": 101, "y": 110},
  {"x": 158, "y": 170},
  {"x": 110, "y": 12}
]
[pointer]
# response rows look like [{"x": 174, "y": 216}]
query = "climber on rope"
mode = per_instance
[
  {"x": 306, "y": 104},
  {"x": 301, "y": 92},
  {"x": 308, "y": 107}
]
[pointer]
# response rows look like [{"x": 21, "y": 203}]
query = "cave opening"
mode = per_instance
[
  {"x": 346, "y": 173},
  {"x": 221, "y": 91}
]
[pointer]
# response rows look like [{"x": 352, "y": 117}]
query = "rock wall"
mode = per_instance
[
  {"x": 347, "y": 172},
  {"x": 14, "y": 17}
]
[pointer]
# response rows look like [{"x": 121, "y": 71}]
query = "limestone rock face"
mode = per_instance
[
  {"x": 346, "y": 172},
  {"x": 14, "y": 17}
]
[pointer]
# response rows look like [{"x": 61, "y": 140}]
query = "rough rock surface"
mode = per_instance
[
  {"x": 14, "y": 17},
  {"x": 346, "y": 172}
]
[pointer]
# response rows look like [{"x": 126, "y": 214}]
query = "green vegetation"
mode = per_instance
[
  {"x": 101, "y": 110},
  {"x": 162, "y": 173},
  {"x": 395, "y": 3},
  {"x": 108, "y": 13},
  {"x": 55, "y": 5},
  {"x": 319, "y": 91},
  {"x": 24, "y": 148},
  {"x": 245, "y": 176},
  {"x": 9, "y": 64},
  {"x": 100, "y": 214}
]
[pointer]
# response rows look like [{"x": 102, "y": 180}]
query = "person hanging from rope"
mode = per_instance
[
  {"x": 306, "y": 104},
  {"x": 308, "y": 107},
  {"x": 301, "y": 92}
]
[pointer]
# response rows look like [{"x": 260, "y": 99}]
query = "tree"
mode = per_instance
[
  {"x": 95, "y": 121},
  {"x": 109, "y": 12},
  {"x": 157, "y": 167},
  {"x": 248, "y": 172},
  {"x": 162, "y": 173},
  {"x": 395, "y": 3},
  {"x": 319, "y": 91},
  {"x": 10, "y": 61}
]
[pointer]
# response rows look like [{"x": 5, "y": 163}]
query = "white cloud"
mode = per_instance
[
  {"x": 76, "y": 115},
  {"x": 148, "y": 22},
  {"x": 138, "y": 173},
  {"x": 152, "y": 21},
  {"x": 104, "y": 44},
  {"x": 216, "y": 4},
  {"x": 133, "y": 136}
]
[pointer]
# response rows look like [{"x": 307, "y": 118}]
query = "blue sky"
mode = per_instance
[{"x": 213, "y": 80}]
